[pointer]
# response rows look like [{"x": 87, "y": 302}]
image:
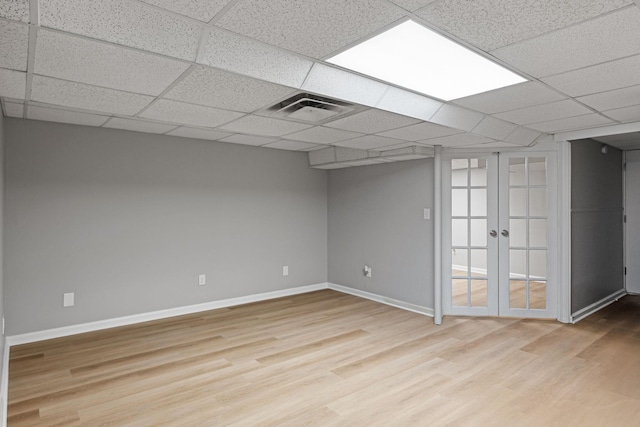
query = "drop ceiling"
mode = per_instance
[{"x": 210, "y": 69}]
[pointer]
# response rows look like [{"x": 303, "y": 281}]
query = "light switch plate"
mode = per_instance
[
  {"x": 202, "y": 280},
  {"x": 285, "y": 270},
  {"x": 68, "y": 299},
  {"x": 427, "y": 213}
]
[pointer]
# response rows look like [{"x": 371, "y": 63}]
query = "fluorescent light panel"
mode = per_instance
[{"x": 412, "y": 56}]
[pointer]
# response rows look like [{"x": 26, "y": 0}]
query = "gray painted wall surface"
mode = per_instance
[
  {"x": 596, "y": 223},
  {"x": 376, "y": 218},
  {"x": 128, "y": 220}
]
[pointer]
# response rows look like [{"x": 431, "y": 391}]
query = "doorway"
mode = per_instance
[{"x": 500, "y": 234}]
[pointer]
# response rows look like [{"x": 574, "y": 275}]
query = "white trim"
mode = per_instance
[
  {"x": 483, "y": 271},
  {"x": 384, "y": 300},
  {"x": 596, "y": 132},
  {"x": 437, "y": 235},
  {"x": 589, "y": 310},
  {"x": 564, "y": 227},
  {"x": 155, "y": 315}
]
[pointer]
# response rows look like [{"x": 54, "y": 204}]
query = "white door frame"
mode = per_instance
[{"x": 563, "y": 150}]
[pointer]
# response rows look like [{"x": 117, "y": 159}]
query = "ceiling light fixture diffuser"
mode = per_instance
[{"x": 414, "y": 57}]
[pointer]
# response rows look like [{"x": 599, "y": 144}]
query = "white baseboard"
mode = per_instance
[
  {"x": 155, "y": 315},
  {"x": 599, "y": 305},
  {"x": 382, "y": 299}
]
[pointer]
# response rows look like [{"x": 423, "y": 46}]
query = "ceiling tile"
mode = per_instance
[
  {"x": 494, "y": 128},
  {"x": 408, "y": 103},
  {"x": 12, "y": 83},
  {"x": 202, "y": 10},
  {"x": 490, "y": 24},
  {"x": 125, "y": 22},
  {"x": 457, "y": 140},
  {"x": 313, "y": 28},
  {"x": 626, "y": 114},
  {"x": 398, "y": 146},
  {"x": 372, "y": 121},
  {"x": 101, "y": 64},
  {"x": 221, "y": 89},
  {"x": 522, "y": 136},
  {"x": 598, "y": 78},
  {"x": 510, "y": 98},
  {"x": 609, "y": 37},
  {"x": 236, "y": 53},
  {"x": 545, "y": 112},
  {"x": 496, "y": 144},
  {"x": 572, "y": 123},
  {"x": 420, "y": 131},
  {"x": 182, "y": 113},
  {"x": 14, "y": 43},
  {"x": 78, "y": 95},
  {"x": 323, "y": 135},
  {"x": 137, "y": 125},
  {"x": 195, "y": 133},
  {"x": 13, "y": 109},
  {"x": 457, "y": 117},
  {"x": 16, "y": 10},
  {"x": 291, "y": 145},
  {"x": 248, "y": 139},
  {"x": 412, "y": 5},
  {"x": 330, "y": 81},
  {"x": 264, "y": 126},
  {"x": 612, "y": 99},
  {"x": 369, "y": 142},
  {"x": 64, "y": 116}
]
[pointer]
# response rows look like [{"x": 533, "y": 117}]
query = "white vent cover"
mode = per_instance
[{"x": 309, "y": 108}]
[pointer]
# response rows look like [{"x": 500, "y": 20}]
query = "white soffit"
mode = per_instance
[
  {"x": 137, "y": 125},
  {"x": 312, "y": 28},
  {"x": 372, "y": 121},
  {"x": 490, "y": 24},
  {"x": 181, "y": 113},
  {"x": 81, "y": 96},
  {"x": 571, "y": 123},
  {"x": 545, "y": 112},
  {"x": 323, "y": 135},
  {"x": 16, "y": 10},
  {"x": 64, "y": 116},
  {"x": 609, "y": 37},
  {"x": 101, "y": 64},
  {"x": 598, "y": 78},
  {"x": 13, "y": 109},
  {"x": 612, "y": 99},
  {"x": 195, "y": 133},
  {"x": 291, "y": 145},
  {"x": 626, "y": 114},
  {"x": 408, "y": 103},
  {"x": 124, "y": 22},
  {"x": 264, "y": 126},
  {"x": 457, "y": 117},
  {"x": 420, "y": 131},
  {"x": 248, "y": 139},
  {"x": 12, "y": 84},
  {"x": 369, "y": 142},
  {"x": 239, "y": 54},
  {"x": 330, "y": 81},
  {"x": 14, "y": 41},
  {"x": 509, "y": 98},
  {"x": 220, "y": 89},
  {"x": 523, "y": 136},
  {"x": 457, "y": 140},
  {"x": 202, "y": 10}
]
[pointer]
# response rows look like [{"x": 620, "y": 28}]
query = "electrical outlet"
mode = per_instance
[
  {"x": 202, "y": 279},
  {"x": 427, "y": 213},
  {"x": 285, "y": 270},
  {"x": 367, "y": 271},
  {"x": 68, "y": 299}
]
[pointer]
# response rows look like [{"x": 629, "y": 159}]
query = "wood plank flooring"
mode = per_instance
[{"x": 330, "y": 359}]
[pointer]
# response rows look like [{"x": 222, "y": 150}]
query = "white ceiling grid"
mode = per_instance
[{"x": 208, "y": 68}]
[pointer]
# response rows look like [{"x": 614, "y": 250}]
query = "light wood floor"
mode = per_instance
[{"x": 331, "y": 359}]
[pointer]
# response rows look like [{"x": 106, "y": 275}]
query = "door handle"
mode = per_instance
[
  {"x": 493, "y": 233},
  {"x": 505, "y": 233}
]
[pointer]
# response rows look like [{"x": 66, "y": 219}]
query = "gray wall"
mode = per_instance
[
  {"x": 128, "y": 220},
  {"x": 596, "y": 223},
  {"x": 376, "y": 218}
]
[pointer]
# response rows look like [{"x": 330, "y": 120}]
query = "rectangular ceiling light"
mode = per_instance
[{"x": 412, "y": 56}]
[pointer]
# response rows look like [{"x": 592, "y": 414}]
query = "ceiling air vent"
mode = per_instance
[{"x": 309, "y": 108}]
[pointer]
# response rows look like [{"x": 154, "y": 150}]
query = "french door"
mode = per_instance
[{"x": 500, "y": 234}]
